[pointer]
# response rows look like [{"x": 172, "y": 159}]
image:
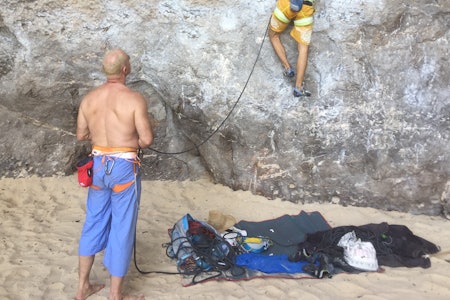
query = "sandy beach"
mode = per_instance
[{"x": 42, "y": 219}]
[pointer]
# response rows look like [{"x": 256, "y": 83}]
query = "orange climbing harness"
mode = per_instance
[{"x": 109, "y": 155}]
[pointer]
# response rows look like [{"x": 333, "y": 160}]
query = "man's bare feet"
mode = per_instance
[
  {"x": 83, "y": 294},
  {"x": 129, "y": 297}
]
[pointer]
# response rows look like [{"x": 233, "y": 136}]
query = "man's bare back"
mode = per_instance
[{"x": 113, "y": 115}]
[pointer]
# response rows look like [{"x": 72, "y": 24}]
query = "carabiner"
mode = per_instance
[{"x": 109, "y": 167}]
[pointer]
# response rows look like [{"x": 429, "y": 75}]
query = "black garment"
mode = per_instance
[{"x": 395, "y": 245}]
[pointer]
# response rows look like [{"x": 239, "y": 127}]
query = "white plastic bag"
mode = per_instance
[{"x": 358, "y": 254}]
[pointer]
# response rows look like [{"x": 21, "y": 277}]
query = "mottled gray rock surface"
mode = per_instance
[{"x": 374, "y": 133}]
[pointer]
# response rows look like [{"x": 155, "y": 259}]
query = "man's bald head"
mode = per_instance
[{"x": 114, "y": 62}]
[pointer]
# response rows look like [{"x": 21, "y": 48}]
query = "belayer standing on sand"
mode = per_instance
[
  {"x": 301, "y": 12},
  {"x": 115, "y": 120}
]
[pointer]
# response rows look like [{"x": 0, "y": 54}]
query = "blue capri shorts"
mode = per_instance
[{"x": 111, "y": 212}]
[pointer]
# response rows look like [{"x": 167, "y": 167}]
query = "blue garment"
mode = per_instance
[
  {"x": 296, "y": 5},
  {"x": 269, "y": 263},
  {"x": 111, "y": 212}
]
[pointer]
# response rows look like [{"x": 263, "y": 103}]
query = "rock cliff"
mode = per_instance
[{"x": 374, "y": 133}]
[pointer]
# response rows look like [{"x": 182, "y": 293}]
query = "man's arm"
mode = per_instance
[
  {"x": 142, "y": 123},
  {"x": 83, "y": 133}
]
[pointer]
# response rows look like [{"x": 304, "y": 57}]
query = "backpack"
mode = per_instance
[{"x": 199, "y": 248}]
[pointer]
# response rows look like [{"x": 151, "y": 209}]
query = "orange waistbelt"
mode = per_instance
[{"x": 122, "y": 152}]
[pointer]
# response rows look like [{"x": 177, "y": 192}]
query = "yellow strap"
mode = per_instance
[
  {"x": 280, "y": 15},
  {"x": 253, "y": 240},
  {"x": 304, "y": 21}
]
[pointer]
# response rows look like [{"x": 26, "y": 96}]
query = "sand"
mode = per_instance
[{"x": 42, "y": 218}]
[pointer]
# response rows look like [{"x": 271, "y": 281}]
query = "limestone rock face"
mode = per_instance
[{"x": 374, "y": 133}]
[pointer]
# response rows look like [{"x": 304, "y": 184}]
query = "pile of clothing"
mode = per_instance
[{"x": 363, "y": 248}]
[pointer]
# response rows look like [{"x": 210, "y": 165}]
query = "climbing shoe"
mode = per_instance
[
  {"x": 321, "y": 268},
  {"x": 289, "y": 73},
  {"x": 301, "y": 92},
  {"x": 301, "y": 255}
]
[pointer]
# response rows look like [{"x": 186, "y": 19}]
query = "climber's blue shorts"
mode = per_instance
[{"x": 111, "y": 212}]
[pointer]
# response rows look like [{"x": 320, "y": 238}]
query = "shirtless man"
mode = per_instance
[{"x": 114, "y": 119}]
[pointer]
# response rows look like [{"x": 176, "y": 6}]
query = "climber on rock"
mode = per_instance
[{"x": 301, "y": 13}]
